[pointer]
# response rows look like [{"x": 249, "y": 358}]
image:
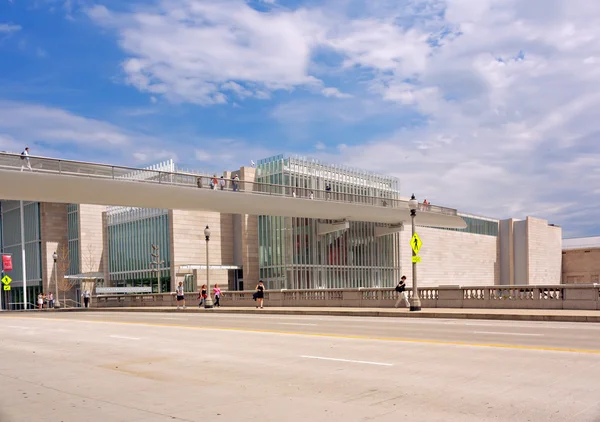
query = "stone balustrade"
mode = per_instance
[{"x": 581, "y": 296}]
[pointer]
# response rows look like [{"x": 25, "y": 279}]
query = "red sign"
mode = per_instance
[{"x": 6, "y": 263}]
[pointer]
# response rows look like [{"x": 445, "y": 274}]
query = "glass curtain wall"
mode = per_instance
[
  {"x": 11, "y": 244},
  {"x": 73, "y": 238},
  {"x": 131, "y": 234},
  {"x": 291, "y": 253}
]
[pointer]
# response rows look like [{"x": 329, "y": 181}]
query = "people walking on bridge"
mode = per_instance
[
  {"x": 217, "y": 295},
  {"x": 311, "y": 196},
  {"x": 236, "y": 183},
  {"x": 402, "y": 296},
  {"x": 40, "y": 301},
  {"x": 25, "y": 159},
  {"x": 202, "y": 296},
  {"x": 222, "y": 183},
  {"x": 214, "y": 182},
  {"x": 180, "y": 295},
  {"x": 259, "y": 295},
  {"x": 51, "y": 300}
]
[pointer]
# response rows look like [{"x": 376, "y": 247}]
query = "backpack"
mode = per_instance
[
  {"x": 23, "y": 155},
  {"x": 400, "y": 288}
]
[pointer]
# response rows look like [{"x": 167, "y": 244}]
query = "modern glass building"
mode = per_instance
[
  {"x": 131, "y": 233},
  {"x": 10, "y": 218},
  {"x": 293, "y": 255}
]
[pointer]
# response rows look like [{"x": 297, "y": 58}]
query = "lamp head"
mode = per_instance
[
  {"x": 207, "y": 233},
  {"x": 413, "y": 203},
  {"x": 55, "y": 256}
]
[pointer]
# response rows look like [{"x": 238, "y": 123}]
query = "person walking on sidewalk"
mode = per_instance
[
  {"x": 217, "y": 295},
  {"x": 202, "y": 296},
  {"x": 86, "y": 298},
  {"x": 402, "y": 296},
  {"x": 180, "y": 296},
  {"x": 260, "y": 294}
]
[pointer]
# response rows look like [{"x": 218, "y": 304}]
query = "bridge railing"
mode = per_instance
[
  {"x": 11, "y": 161},
  {"x": 565, "y": 296}
]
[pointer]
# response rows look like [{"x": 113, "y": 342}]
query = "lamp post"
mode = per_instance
[
  {"x": 56, "y": 301},
  {"x": 415, "y": 300},
  {"x": 208, "y": 303}
]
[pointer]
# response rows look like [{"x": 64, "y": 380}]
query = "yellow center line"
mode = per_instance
[{"x": 328, "y": 335}]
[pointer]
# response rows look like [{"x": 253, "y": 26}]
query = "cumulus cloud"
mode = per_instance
[
  {"x": 7, "y": 28},
  {"x": 202, "y": 51}
]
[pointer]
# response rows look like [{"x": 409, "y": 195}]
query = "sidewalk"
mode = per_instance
[{"x": 453, "y": 313}]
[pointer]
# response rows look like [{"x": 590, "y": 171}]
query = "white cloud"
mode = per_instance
[
  {"x": 7, "y": 28},
  {"x": 56, "y": 132},
  {"x": 335, "y": 93},
  {"x": 202, "y": 155},
  {"x": 202, "y": 52},
  {"x": 320, "y": 146}
]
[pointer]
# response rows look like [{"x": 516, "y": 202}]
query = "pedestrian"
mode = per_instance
[
  {"x": 214, "y": 182},
  {"x": 260, "y": 294},
  {"x": 180, "y": 295},
  {"x": 202, "y": 296},
  {"x": 236, "y": 183},
  {"x": 25, "y": 159},
  {"x": 401, "y": 289},
  {"x": 199, "y": 182},
  {"x": 86, "y": 299},
  {"x": 217, "y": 295},
  {"x": 51, "y": 300},
  {"x": 40, "y": 301},
  {"x": 311, "y": 196},
  {"x": 222, "y": 183}
]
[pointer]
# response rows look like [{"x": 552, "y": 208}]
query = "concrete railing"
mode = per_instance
[{"x": 585, "y": 297}]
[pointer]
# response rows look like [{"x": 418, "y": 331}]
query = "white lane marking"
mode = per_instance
[
  {"x": 176, "y": 319},
  {"x": 125, "y": 337},
  {"x": 508, "y": 334},
  {"x": 297, "y": 323},
  {"x": 20, "y": 327},
  {"x": 347, "y": 360}
]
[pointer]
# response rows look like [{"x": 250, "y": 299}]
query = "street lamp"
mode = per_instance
[
  {"x": 208, "y": 303},
  {"x": 56, "y": 301},
  {"x": 415, "y": 301}
]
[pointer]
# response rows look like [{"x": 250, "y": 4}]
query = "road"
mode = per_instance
[{"x": 224, "y": 367}]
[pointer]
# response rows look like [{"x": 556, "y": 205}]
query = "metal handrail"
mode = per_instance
[{"x": 124, "y": 173}]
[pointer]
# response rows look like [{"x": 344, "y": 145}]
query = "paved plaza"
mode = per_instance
[{"x": 127, "y": 366}]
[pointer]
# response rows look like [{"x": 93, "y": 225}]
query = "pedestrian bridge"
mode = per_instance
[{"x": 66, "y": 181}]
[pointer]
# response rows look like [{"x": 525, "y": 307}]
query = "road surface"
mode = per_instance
[{"x": 156, "y": 367}]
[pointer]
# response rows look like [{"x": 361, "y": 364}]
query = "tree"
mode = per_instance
[
  {"x": 90, "y": 266},
  {"x": 63, "y": 262}
]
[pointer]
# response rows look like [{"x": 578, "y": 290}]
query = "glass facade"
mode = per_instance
[
  {"x": 131, "y": 234},
  {"x": 478, "y": 225},
  {"x": 73, "y": 238},
  {"x": 292, "y": 255},
  {"x": 10, "y": 234}
]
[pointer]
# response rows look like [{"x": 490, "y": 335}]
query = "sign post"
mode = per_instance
[{"x": 6, "y": 280}]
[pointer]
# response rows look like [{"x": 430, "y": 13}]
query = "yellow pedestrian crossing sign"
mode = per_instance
[
  {"x": 6, "y": 287},
  {"x": 415, "y": 243},
  {"x": 6, "y": 280},
  {"x": 416, "y": 259}
]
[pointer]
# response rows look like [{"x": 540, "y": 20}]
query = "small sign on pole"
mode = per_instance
[{"x": 7, "y": 263}]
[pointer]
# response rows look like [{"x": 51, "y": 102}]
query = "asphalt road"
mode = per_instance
[{"x": 224, "y": 367}]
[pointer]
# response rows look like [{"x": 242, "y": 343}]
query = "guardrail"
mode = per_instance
[
  {"x": 11, "y": 161},
  {"x": 581, "y": 296}
]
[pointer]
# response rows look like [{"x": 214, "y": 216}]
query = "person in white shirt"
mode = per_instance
[
  {"x": 25, "y": 160},
  {"x": 86, "y": 298}
]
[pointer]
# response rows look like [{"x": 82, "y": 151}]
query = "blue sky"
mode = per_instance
[{"x": 488, "y": 106}]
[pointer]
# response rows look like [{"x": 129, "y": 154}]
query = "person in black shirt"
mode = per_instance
[
  {"x": 402, "y": 296},
  {"x": 260, "y": 294}
]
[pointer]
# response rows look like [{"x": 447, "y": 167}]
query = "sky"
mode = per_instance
[{"x": 487, "y": 106}]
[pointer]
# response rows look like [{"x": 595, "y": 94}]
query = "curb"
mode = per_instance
[{"x": 355, "y": 313}]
